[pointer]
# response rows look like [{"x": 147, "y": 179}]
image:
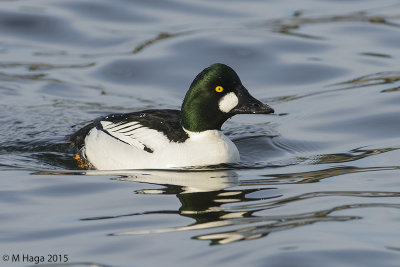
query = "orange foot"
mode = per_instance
[{"x": 81, "y": 163}]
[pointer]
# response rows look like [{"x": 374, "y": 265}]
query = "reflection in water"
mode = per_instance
[
  {"x": 187, "y": 181},
  {"x": 159, "y": 37},
  {"x": 389, "y": 77},
  {"x": 312, "y": 176},
  {"x": 202, "y": 195},
  {"x": 271, "y": 224},
  {"x": 381, "y": 78},
  {"x": 291, "y": 25},
  {"x": 355, "y": 154},
  {"x": 217, "y": 200}
]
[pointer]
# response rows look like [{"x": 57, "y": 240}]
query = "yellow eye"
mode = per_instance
[{"x": 219, "y": 89}]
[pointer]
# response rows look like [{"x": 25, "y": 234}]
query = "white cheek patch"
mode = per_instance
[{"x": 228, "y": 102}]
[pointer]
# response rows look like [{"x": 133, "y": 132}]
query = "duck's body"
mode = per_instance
[
  {"x": 159, "y": 139},
  {"x": 151, "y": 139}
]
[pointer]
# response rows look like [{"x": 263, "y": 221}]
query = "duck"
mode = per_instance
[{"x": 168, "y": 138}]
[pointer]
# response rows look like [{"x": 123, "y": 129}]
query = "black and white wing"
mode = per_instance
[
  {"x": 145, "y": 130},
  {"x": 133, "y": 134}
]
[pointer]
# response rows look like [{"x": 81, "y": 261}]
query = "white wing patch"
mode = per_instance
[
  {"x": 124, "y": 132},
  {"x": 136, "y": 135}
]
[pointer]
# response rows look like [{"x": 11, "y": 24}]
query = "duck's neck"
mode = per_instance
[
  {"x": 196, "y": 121},
  {"x": 199, "y": 119}
]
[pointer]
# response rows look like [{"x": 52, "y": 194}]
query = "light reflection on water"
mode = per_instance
[{"x": 318, "y": 181}]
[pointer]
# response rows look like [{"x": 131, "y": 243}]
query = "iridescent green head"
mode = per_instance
[{"x": 215, "y": 95}]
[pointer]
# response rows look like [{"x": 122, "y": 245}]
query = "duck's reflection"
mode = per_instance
[
  {"x": 209, "y": 198},
  {"x": 201, "y": 193},
  {"x": 183, "y": 182}
]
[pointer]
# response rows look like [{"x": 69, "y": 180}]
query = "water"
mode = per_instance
[{"x": 318, "y": 184}]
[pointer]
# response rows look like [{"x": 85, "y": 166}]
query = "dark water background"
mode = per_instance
[{"x": 319, "y": 180}]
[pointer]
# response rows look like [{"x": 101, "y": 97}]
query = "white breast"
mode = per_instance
[{"x": 105, "y": 152}]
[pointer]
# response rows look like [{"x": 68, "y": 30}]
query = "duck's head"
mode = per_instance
[{"x": 215, "y": 95}]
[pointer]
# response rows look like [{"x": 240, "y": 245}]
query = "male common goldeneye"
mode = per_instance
[{"x": 166, "y": 138}]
